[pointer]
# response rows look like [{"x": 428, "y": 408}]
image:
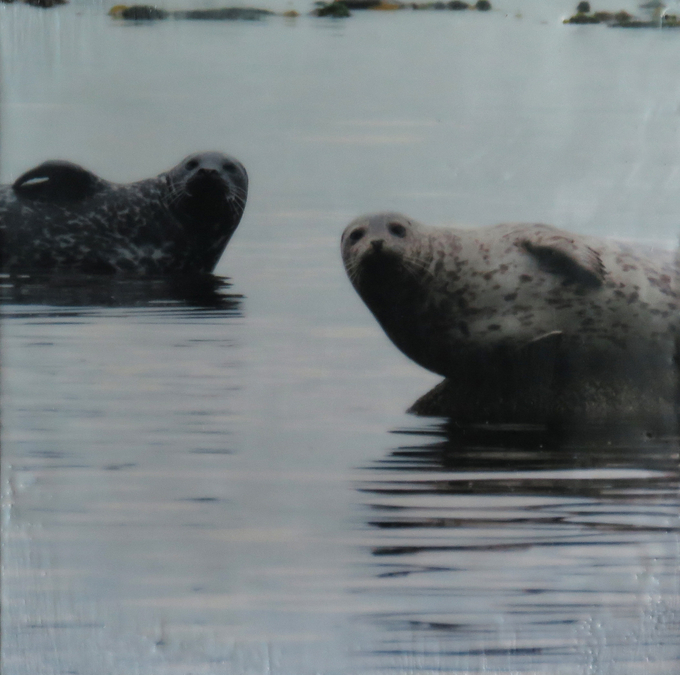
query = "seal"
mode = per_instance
[
  {"x": 60, "y": 216},
  {"x": 520, "y": 318}
]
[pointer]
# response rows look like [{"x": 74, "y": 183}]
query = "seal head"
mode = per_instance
[
  {"x": 210, "y": 190},
  {"x": 388, "y": 257},
  {"x": 385, "y": 254}
]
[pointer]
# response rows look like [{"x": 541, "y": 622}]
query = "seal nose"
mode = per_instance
[{"x": 377, "y": 245}]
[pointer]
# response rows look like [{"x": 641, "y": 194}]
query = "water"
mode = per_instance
[{"x": 203, "y": 478}]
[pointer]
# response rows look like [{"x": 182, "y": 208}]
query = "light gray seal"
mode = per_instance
[
  {"x": 521, "y": 319},
  {"x": 59, "y": 216}
]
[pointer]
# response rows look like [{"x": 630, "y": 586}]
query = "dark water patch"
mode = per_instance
[
  {"x": 47, "y": 467},
  {"x": 204, "y": 500},
  {"x": 47, "y": 454},
  {"x": 211, "y": 451}
]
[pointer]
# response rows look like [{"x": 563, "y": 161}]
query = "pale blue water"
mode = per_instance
[{"x": 223, "y": 480}]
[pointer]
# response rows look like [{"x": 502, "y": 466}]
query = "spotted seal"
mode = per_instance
[
  {"x": 520, "y": 318},
  {"x": 60, "y": 216}
]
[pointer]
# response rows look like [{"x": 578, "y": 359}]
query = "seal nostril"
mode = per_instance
[
  {"x": 191, "y": 164},
  {"x": 377, "y": 244}
]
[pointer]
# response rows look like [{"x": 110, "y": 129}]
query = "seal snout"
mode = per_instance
[
  {"x": 212, "y": 179},
  {"x": 208, "y": 184},
  {"x": 377, "y": 245}
]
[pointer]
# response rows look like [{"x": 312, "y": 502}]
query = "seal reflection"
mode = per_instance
[
  {"x": 206, "y": 291},
  {"x": 518, "y": 547}
]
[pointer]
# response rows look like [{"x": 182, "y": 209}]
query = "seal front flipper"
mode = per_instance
[
  {"x": 57, "y": 181},
  {"x": 565, "y": 257}
]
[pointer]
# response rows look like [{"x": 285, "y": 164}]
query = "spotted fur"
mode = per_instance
[
  {"x": 59, "y": 216},
  {"x": 508, "y": 311}
]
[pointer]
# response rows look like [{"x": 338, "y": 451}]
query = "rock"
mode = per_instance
[
  {"x": 335, "y": 10},
  {"x": 582, "y": 18},
  {"x": 388, "y": 6},
  {"x": 117, "y": 11},
  {"x": 224, "y": 14},
  {"x": 360, "y": 4},
  {"x": 623, "y": 17},
  {"x": 45, "y": 4},
  {"x": 143, "y": 13}
]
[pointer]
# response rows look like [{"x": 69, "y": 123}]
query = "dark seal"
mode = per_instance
[
  {"x": 521, "y": 320},
  {"x": 59, "y": 216}
]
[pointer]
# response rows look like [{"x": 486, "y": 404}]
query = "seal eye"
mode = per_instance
[
  {"x": 356, "y": 235},
  {"x": 191, "y": 164},
  {"x": 397, "y": 229}
]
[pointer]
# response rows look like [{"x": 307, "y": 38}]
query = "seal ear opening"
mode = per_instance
[{"x": 56, "y": 181}]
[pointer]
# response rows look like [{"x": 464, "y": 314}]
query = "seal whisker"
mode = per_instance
[
  {"x": 415, "y": 268},
  {"x": 354, "y": 271},
  {"x": 238, "y": 200},
  {"x": 174, "y": 198}
]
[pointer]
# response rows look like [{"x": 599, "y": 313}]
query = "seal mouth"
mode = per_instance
[
  {"x": 382, "y": 267},
  {"x": 381, "y": 273},
  {"x": 208, "y": 184}
]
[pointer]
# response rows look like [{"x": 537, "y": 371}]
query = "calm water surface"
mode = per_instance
[{"x": 217, "y": 476}]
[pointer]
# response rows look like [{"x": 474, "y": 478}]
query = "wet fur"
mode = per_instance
[
  {"x": 59, "y": 216},
  {"x": 520, "y": 317}
]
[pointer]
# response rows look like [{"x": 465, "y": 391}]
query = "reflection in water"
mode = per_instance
[
  {"x": 82, "y": 290},
  {"x": 513, "y": 548}
]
